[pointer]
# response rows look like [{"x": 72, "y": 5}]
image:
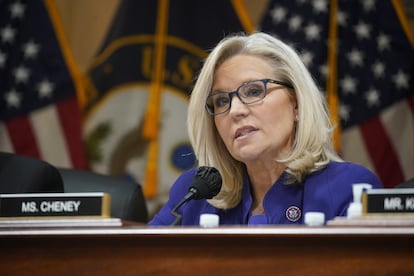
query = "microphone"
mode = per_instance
[{"x": 206, "y": 185}]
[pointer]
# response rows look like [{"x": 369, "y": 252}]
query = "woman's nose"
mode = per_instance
[{"x": 237, "y": 106}]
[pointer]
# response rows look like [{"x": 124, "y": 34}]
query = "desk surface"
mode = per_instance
[{"x": 141, "y": 250}]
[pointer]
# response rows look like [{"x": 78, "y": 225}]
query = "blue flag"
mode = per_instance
[{"x": 139, "y": 85}]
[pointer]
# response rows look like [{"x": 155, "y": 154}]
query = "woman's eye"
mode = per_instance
[
  {"x": 221, "y": 100},
  {"x": 253, "y": 92}
]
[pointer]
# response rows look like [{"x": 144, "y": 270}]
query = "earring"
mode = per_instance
[{"x": 296, "y": 118}]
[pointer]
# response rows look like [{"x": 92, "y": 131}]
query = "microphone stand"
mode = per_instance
[
  {"x": 178, "y": 216},
  {"x": 206, "y": 184}
]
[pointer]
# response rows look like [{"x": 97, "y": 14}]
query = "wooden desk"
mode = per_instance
[{"x": 139, "y": 250}]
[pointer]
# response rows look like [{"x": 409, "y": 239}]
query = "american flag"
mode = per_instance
[
  {"x": 373, "y": 71},
  {"x": 39, "y": 113}
]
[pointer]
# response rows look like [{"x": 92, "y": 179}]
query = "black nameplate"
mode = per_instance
[
  {"x": 391, "y": 201},
  {"x": 54, "y": 205}
]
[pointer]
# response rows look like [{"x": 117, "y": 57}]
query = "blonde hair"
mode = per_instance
[{"x": 312, "y": 148}]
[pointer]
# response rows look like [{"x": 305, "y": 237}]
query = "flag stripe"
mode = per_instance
[
  {"x": 381, "y": 150},
  {"x": 5, "y": 142},
  {"x": 22, "y": 136},
  {"x": 46, "y": 124},
  {"x": 72, "y": 131},
  {"x": 352, "y": 141},
  {"x": 401, "y": 113},
  {"x": 411, "y": 103}
]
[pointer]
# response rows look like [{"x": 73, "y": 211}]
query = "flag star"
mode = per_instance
[
  {"x": 294, "y": 23},
  {"x": 17, "y": 10},
  {"x": 312, "y": 32},
  {"x": 383, "y": 42},
  {"x": 379, "y": 69},
  {"x": 323, "y": 70},
  {"x": 401, "y": 80},
  {"x": 348, "y": 84},
  {"x": 13, "y": 98},
  {"x": 320, "y": 6},
  {"x": 362, "y": 30},
  {"x": 3, "y": 58},
  {"x": 369, "y": 5},
  {"x": 30, "y": 49},
  {"x": 278, "y": 14},
  {"x": 344, "y": 112},
  {"x": 342, "y": 17},
  {"x": 355, "y": 57},
  {"x": 45, "y": 89},
  {"x": 306, "y": 58},
  {"x": 372, "y": 97},
  {"x": 7, "y": 34},
  {"x": 21, "y": 74}
]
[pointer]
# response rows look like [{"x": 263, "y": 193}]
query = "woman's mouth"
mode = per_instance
[{"x": 244, "y": 131}]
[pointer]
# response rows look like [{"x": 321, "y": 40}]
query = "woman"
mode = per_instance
[{"x": 257, "y": 116}]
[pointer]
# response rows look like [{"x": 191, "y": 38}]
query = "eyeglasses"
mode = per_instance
[{"x": 248, "y": 93}]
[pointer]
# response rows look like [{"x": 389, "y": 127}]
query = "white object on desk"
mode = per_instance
[
  {"x": 314, "y": 218},
  {"x": 209, "y": 220},
  {"x": 355, "y": 208}
]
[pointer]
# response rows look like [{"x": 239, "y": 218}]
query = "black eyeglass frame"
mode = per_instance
[{"x": 210, "y": 109}]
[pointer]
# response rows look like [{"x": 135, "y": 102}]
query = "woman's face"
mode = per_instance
[{"x": 259, "y": 132}]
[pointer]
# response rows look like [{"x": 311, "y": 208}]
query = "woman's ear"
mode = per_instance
[{"x": 295, "y": 111}]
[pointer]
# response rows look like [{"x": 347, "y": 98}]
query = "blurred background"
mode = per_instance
[
  {"x": 103, "y": 85},
  {"x": 86, "y": 22}
]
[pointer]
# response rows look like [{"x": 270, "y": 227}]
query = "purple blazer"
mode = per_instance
[{"x": 328, "y": 191}]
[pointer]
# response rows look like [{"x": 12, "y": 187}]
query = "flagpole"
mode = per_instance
[
  {"x": 404, "y": 21},
  {"x": 332, "y": 95},
  {"x": 244, "y": 16},
  {"x": 64, "y": 44},
  {"x": 152, "y": 120}
]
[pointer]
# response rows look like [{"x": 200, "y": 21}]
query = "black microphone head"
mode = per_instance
[{"x": 206, "y": 183}]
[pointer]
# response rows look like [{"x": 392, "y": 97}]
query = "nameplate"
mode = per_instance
[
  {"x": 41, "y": 205},
  {"x": 388, "y": 201}
]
